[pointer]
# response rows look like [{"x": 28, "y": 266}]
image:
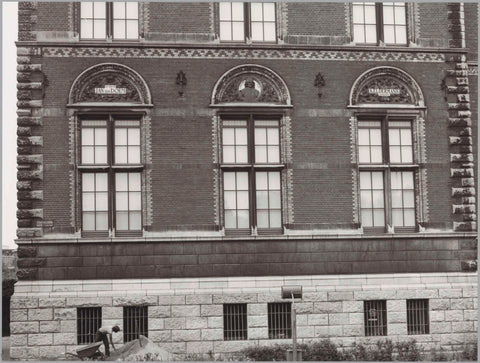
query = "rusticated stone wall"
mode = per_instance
[{"x": 186, "y": 315}]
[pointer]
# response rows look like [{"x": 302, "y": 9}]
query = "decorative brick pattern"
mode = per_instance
[
  {"x": 239, "y": 53},
  {"x": 185, "y": 320}
]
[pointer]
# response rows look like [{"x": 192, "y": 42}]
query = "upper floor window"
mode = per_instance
[
  {"x": 387, "y": 173},
  {"x": 251, "y": 174},
  {"x": 379, "y": 22},
  {"x": 115, "y": 20},
  {"x": 253, "y": 21},
  {"x": 111, "y": 176}
]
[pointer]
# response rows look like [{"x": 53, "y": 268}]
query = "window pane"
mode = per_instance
[
  {"x": 230, "y": 219},
  {"x": 132, "y": 10},
  {"x": 272, "y": 136},
  {"x": 88, "y": 202},
  {"x": 395, "y": 154},
  {"x": 87, "y": 155},
  {"x": 86, "y": 9},
  {"x": 241, "y": 136},
  {"x": 101, "y": 182},
  {"x": 366, "y": 199},
  {"x": 119, "y": 10},
  {"x": 274, "y": 180},
  {"x": 120, "y": 136},
  {"x": 99, "y": 29},
  {"x": 408, "y": 199},
  {"x": 121, "y": 201},
  {"x": 99, "y": 9},
  {"x": 224, "y": 10},
  {"x": 378, "y": 218},
  {"x": 243, "y": 219},
  {"x": 401, "y": 34},
  {"x": 377, "y": 180},
  {"x": 229, "y": 181},
  {"x": 86, "y": 28},
  {"x": 256, "y": 11},
  {"x": 396, "y": 180},
  {"x": 242, "y": 154},
  {"x": 242, "y": 200},
  {"x": 230, "y": 200},
  {"x": 122, "y": 221},
  {"x": 102, "y": 221},
  {"x": 406, "y": 136},
  {"x": 101, "y": 155},
  {"x": 400, "y": 18},
  {"x": 88, "y": 182},
  {"x": 101, "y": 201},
  {"x": 121, "y": 155},
  {"x": 358, "y": 34},
  {"x": 88, "y": 221},
  {"x": 269, "y": 32},
  {"x": 261, "y": 180},
  {"x": 135, "y": 201},
  {"x": 135, "y": 220},
  {"x": 370, "y": 34},
  {"x": 134, "y": 154},
  {"x": 367, "y": 220},
  {"x": 121, "y": 182},
  {"x": 376, "y": 156},
  {"x": 135, "y": 180},
  {"x": 365, "y": 180},
  {"x": 262, "y": 199},
  {"x": 87, "y": 136},
  {"x": 407, "y": 180},
  {"x": 260, "y": 136},
  {"x": 262, "y": 219},
  {"x": 275, "y": 219},
  {"x": 397, "y": 201},
  {"x": 388, "y": 14},
  {"x": 237, "y": 11},
  {"x": 394, "y": 136},
  {"x": 274, "y": 198},
  {"x": 261, "y": 154},
  {"x": 363, "y": 137},
  {"x": 257, "y": 32},
  {"x": 238, "y": 31},
  {"x": 364, "y": 154},
  {"x": 409, "y": 217},
  {"x": 370, "y": 17},
  {"x": 228, "y": 135},
  {"x": 375, "y": 137},
  {"x": 229, "y": 154},
  {"x": 242, "y": 180},
  {"x": 273, "y": 154},
  {"x": 407, "y": 156},
  {"x": 132, "y": 29},
  {"x": 377, "y": 196},
  {"x": 119, "y": 29},
  {"x": 269, "y": 11},
  {"x": 389, "y": 34},
  {"x": 397, "y": 218},
  {"x": 226, "y": 31},
  {"x": 357, "y": 13}
]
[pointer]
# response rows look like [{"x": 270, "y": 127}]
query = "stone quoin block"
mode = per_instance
[
  {"x": 29, "y": 121},
  {"x": 463, "y": 192},
  {"x": 459, "y": 122},
  {"x": 461, "y": 173}
]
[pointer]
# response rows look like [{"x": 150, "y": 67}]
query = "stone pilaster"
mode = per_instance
[{"x": 30, "y": 90}]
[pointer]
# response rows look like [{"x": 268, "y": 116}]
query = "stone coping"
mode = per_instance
[
  {"x": 212, "y": 237},
  {"x": 178, "y": 286}
]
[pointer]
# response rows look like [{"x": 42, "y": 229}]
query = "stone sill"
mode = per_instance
[
  {"x": 347, "y": 47},
  {"x": 246, "y": 238}
]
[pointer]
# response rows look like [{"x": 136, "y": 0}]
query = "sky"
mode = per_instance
[{"x": 9, "y": 124}]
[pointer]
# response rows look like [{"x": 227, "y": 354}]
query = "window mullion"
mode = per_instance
[
  {"x": 109, "y": 19},
  {"x": 379, "y": 14},
  {"x": 247, "y": 17},
  {"x": 251, "y": 160}
]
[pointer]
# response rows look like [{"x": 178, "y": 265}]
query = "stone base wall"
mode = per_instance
[{"x": 186, "y": 315}]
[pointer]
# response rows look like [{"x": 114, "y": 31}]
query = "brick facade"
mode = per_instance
[{"x": 183, "y": 244}]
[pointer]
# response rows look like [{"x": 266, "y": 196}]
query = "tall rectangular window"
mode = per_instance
[
  {"x": 375, "y": 314},
  {"x": 89, "y": 320},
  {"x": 242, "y": 21},
  {"x": 279, "y": 320},
  {"x": 417, "y": 316},
  {"x": 252, "y": 167},
  {"x": 379, "y": 22},
  {"x": 235, "y": 321},
  {"x": 135, "y": 322},
  {"x": 102, "y": 20},
  {"x": 111, "y": 176},
  {"x": 387, "y": 173}
]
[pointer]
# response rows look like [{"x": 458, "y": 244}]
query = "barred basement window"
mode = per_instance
[
  {"x": 235, "y": 321},
  {"x": 279, "y": 320},
  {"x": 417, "y": 316},
  {"x": 89, "y": 321},
  {"x": 135, "y": 322},
  {"x": 375, "y": 312}
]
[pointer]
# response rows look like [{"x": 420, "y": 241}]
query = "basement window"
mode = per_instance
[
  {"x": 417, "y": 316},
  {"x": 279, "y": 320},
  {"x": 235, "y": 321},
  {"x": 89, "y": 321},
  {"x": 135, "y": 322},
  {"x": 375, "y": 312}
]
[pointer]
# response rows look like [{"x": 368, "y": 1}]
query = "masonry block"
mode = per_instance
[
  {"x": 24, "y": 353},
  {"x": 185, "y": 335},
  {"x": 215, "y": 321},
  {"x": 317, "y": 319},
  {"x": 175, "y": 323},
  {"x": 40, "y": 314},
  {"x": 29, "y": 121},
  {"x": 459, "y": 122},
  {"x": 68, "y": 326},
  {"x": 19, "y": 340},
  {"x": 89, "y": 301},
  {"x": 134, "y": 300},
  {"x": 464, "y": 226},
  {"x": 199, "y": 299},
  {"x": 159, "y": 336},
  {"x": 23, "y": 303},
  {"x": 235, "y": 299},
  {"x": 30, "y": 174},
  {"x": 64, "y": 313},
  {"x": 51, "y": 352},
  {"x": 162, "y": 311},
  {"x": 50, "y": 327},
  {"x": 212, "y": 334},
  {"x": 258, "y": 321},
  {"x": 185, "y": 310},
  {"x": 40, "y": 339},
  {"x": 352, "y": 306},
  {"x": 197, "y": 323},
  {"x": 454, "y": 315},
  {"x": 211, "y": 310},
  {"x": 199, "y": 347},
  {"x": 171, "y": 300}
]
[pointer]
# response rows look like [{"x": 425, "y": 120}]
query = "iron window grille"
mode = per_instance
[
  {"x": 235, "y": 321},
  {"x": 89, "y": 320},
  {"x": 251, "y": 166},
  {"x": 113, "y": 20},
  {"x": 111, "y": 176},
  {"x": 417, "y": 316},
  {"x": 135, "y": 322},
  {"x": 376, "y": 22},
  {"x": 387, "y": 174},
  {"x": 375, "y": 313},
  {"x": 254, "y": 21},
  {"x": 279, "y": 320}
]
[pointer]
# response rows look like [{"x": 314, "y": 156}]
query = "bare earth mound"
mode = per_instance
[{"x": 138, "y": 349}]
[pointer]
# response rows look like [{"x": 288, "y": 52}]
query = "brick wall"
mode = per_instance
[
  {"x": 53, "y": 16},
  {"x": 433, "y": 24},
  {"x": 471, "y": 30},
  {"x": 186, "y": 315},
  {"x": 179, "y": 17}
]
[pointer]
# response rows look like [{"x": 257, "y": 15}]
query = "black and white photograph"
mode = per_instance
[{"x": 239, "y": 181}]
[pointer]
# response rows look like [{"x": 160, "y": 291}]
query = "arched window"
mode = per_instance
[
  {"x": 253, "y": 136},
  {"x": 388, "y": 127},
  {"x": 110, "y": 122}
]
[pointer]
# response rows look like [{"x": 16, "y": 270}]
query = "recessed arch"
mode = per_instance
[
  {"x": 109, "y": 82},
  {"x": 386, "y": 86},
  {"x": 252, "y": 85}
]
